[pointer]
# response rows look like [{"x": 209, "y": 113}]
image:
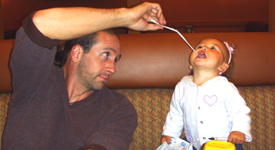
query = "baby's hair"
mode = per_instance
[{"x": 229, "y": 72}]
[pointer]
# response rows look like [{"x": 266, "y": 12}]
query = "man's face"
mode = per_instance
[{"x": 97, "y": 66}]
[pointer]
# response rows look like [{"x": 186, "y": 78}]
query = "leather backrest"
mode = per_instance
[{"x": 160, "y": 60}]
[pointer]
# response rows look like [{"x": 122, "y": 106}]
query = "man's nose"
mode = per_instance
[{"x": 111, "y": 68}]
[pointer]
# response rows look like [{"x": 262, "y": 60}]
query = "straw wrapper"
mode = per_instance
[{"x": 175, "y": 144}]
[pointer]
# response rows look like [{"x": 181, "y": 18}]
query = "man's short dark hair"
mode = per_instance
[{"x": 86, "y": 42}]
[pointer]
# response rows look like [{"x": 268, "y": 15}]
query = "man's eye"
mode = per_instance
[
  {"x": 106, "y": 54},
  {"x": 117, "y": 58}
]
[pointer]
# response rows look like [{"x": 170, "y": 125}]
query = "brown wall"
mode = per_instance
[
  {"x": 205, "y": 16},
  {"x": 14, "y": 11},
  {"x": 1, "y": 24},
  {"x": 214, "y": 15},
  {"x": 177, "y": 10},
  {"x": 271, "y": 16}
]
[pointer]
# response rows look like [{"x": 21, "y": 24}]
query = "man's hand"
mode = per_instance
[
  {"x": 236, "y": 137},
  {"x": 141, "y": 15}
]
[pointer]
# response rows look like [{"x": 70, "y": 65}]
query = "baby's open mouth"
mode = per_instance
[{"x": 201, "y": 54}]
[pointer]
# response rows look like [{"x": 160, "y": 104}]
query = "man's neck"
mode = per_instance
[
  {"x": 75, "y": 96},
  {"x": 76, "y": 92}
]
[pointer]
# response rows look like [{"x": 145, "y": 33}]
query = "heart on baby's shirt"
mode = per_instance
[{"x": 210, "y": 100}]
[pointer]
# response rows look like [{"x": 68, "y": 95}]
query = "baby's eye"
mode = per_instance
[
  {"x": 199, "y": 47},
  {"x": 213, "y": 48}
]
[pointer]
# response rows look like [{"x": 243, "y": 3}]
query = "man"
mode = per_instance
[{"x": 68, "y": 107}]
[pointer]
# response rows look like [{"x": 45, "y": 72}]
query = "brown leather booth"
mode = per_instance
[{"x": 160, "y": 60}]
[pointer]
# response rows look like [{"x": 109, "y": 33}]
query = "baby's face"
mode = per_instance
[{"x": 212, "y": 54}]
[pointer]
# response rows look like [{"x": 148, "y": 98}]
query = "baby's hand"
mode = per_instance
[
  {"x": 236, "y": 137},
  {"x": 166, "y": 138}
]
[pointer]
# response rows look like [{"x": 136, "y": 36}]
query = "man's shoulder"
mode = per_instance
[
  {"x": 113, "y": 95},
  {"x": 111, "y": 91},
  {"x": 117, "y": 100}
]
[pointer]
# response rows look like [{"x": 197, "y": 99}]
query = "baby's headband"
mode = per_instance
[{"x": 230, "y": 49}]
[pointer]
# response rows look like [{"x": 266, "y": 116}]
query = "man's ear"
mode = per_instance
[
  {"x": 223, "y": 67},
  {"x": 76, "y": 53}
]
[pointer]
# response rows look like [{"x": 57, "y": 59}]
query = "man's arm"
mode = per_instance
[{"x": 72, "y": 22}]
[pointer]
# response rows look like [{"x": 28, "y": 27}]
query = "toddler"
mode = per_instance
[{"x": 205, "y": 103}]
